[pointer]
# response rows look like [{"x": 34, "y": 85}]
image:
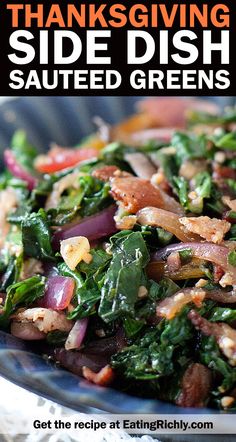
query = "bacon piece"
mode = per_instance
[
  {"x": 218, "y": 272},
  {"x": 224, "y": 334},
  {"x": 211, "y": 229},
  {"x": 137, "y": 193},
  {"x": 103, "y": 378},
  {"x": 105, "y": 173},
  {"x": 222, "y": 172},
  {"x": 169, "y": 307},
  {"x": 195, "y": 386}
]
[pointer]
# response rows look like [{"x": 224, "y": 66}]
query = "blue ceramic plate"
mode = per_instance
[{"x": 64, "y": 120}]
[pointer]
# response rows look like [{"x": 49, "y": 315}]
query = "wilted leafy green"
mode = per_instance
[
  {"x": 200, "y": 117},
  {"x": 64, "y": 270},
  {"x": 211, "y": 356},
  {"x": 91, "y": 196},
  {"x": 87, "y": 297},
  {"x": 114, "y": 154},
  {"x": 100, "y": 260},
  {"x": 96, "y": 195},
  {"x": 36, "y": 236},
  {"x": 23, "y": 150},
  {"x": 182, "y": 189},
  {"x": 88, "y": 291},
  {"x": 22, "y": 293},
  {"x": 129, "y": 257},
  {"x": 231, "y": 258},
  {"x": 189, "y": 146},
  {"x": 167, "y": 162},
  {"x": 157, "y": 353},
  {"x": 202, "y": 185},
  {"x": 226, "y": 140},
  {"x": 11, "y": 259},
  {"x": 12, "y": 272},
  {"x": 222, "y": 314},
  {"x": 154, "y": 236}
]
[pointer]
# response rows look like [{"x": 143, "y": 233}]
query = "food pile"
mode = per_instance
[{"x": 118, "y": 257}]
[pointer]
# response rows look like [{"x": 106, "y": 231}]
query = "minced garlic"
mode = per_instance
[{"x": 76, "y": 249}]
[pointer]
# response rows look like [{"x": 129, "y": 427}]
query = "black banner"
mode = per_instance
[{"x": 170, "y": 47}]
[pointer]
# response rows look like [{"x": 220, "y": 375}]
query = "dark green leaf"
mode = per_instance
[
  {"x": 12, "y": 273},
  {"x": 22, "y": 293},
  {"x": 132, "y": 326},
  {"x": 36, "y": 236},
  {"x": 182, "y": 189},
  {"x": 124, "y": 275},
  {"x": 185, "y": 255},
  {"x": 114, "y": 154},
  {"x": 211, "y": 356},
  {"x": 167, "y": 163},
  {"x": 157, "y": 353},
  {"x": 225, "y": 141},
  {"x": 222, "y": 314},
  {"x": 189, "y": 146},
  {"x": 200, "y": 117},
  {"x": 232, "y": 258},
  {"x": 97, "y": 265},
  {"x": 87, "y": 297},
  {"x": 23, "y": 150},
  {"x": 64, "y": 270},
  {"x": 95, "y": 195}
]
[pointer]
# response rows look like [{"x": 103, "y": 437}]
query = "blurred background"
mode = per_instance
[{"x": 65, "y": 120}]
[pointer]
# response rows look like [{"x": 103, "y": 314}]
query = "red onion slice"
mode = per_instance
[
  {"x": 26, "y": 331},
  {"x": 93, "y": 227},
  {"x": 203, "y": 250},
  {"x": 141, "y": 165},
  {"x": 17, "y": 170},
  {"x": 58, "y": 293},
  {"x": 156, "y": 217},
  {"x": 77, "y": 334},
  {"x": 74, "y": 361}
]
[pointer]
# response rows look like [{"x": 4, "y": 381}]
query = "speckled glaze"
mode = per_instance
[{"x": 65, "y": 120}]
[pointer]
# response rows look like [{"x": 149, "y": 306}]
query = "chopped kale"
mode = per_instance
[
  {"x": 222, "y": 314},
  {"x": 36, "y": 236},
  {"x": 232, "y": 258},
  {"x": 23, "y": 150},
  {"x": 129, "y": 257},
  {"x": 23, "y": 293},
  {"x": 189, "y": 147}
]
